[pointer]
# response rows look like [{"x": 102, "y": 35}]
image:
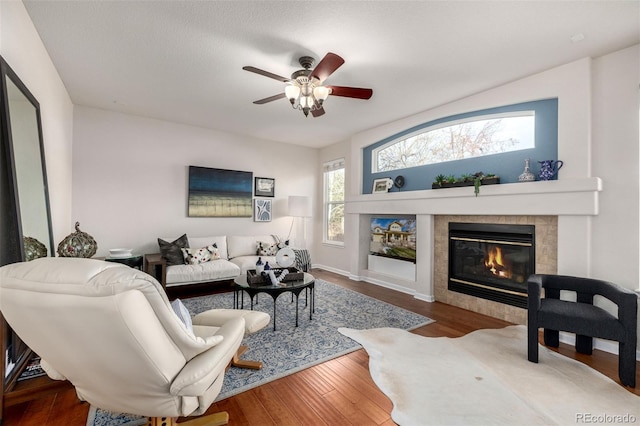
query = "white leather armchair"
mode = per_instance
[{"x": 110, "y": 330}]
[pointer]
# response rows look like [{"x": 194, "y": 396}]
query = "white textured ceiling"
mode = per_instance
[{"x": 182, "y": 60}]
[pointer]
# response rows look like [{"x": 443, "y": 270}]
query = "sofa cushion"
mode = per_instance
[
  {"x": 246, "y": 246},
  {"x": 219, "y": 241},
  {"x": 215, "y": 270},
  {"x": 193, "y": 256},
  {"x": 172, "y": 251}
]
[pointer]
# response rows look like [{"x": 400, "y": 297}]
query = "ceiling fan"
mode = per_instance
[{"x": 305, "y": 90}]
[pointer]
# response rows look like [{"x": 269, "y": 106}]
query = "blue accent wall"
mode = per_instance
[{"x": 507, "y": 165}]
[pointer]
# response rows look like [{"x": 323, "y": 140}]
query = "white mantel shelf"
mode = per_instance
[{"x": 567, "y": 197}]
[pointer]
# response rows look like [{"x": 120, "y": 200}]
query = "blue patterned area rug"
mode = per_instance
[{"x": 290, "y": 349}]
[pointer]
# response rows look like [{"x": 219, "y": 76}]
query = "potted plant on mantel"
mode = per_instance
[{"x": 475, "y": 180}]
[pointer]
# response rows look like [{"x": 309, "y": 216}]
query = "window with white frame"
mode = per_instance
[
  {"x": 456, "y": 140},
  {"x": 333, "y": 217}
]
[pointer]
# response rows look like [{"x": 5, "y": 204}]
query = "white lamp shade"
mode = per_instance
[
  {"x": 321, "y": 93},
  {"x": 299, "y": 206},
  {"x": 292, "y": 92}
]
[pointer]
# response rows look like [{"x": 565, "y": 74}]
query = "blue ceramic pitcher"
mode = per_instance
[{"x": 549, "y": 169}]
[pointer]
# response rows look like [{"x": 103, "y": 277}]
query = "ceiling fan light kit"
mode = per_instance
[{"x": 305, "y": 90}]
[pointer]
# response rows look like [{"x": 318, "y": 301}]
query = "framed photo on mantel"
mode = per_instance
[{"x": 264, "y": 187}]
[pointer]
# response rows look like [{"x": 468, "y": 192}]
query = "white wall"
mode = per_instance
[
  {"x": 130, "y": 178},
  {"x": 21, "y": 47},
  {"x": 615, "y": 126}
]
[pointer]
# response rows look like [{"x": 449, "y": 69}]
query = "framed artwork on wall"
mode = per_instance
[
  {"x": 382, "y": 185},
  {"x": 219, "y": 192},
  {"x": 264, "y": 187},
  {"x": 262, "y": 210}
]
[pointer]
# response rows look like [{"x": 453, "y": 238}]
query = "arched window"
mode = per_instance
[
  {"x": 494, "y": 140},
  {"x": 470, "y": 137}
]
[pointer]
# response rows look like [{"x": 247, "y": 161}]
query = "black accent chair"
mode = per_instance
[{"x": 583, "y": 318}]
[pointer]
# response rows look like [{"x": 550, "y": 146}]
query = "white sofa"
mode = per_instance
[{"x": 237, "y": 255}]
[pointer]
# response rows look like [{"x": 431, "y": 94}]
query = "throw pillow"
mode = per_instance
[
  {"x": 172, "y": 251},
  {"x": 183, "y": 314},
  {"x": 267, "y": 249},
  {"x": 201, "y": 255}
]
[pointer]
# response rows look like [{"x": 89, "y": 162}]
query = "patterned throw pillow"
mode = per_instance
[
  {"x": 172, "y": 251},
  {"x": 202, "y": 255},
  {"x": 183, "y": 313},
  {"x": 267, "y": 249}
]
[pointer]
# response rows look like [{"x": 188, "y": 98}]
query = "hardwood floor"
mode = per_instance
[{"x": 338, "y": 392}]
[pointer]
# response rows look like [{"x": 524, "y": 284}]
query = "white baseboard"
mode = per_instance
[
  {"x": 331, "y": 269},
  {"x": 370, "y": 280},
  {"x": 391, "y": 286}
]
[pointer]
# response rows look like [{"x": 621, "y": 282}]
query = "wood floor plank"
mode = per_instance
[
  {"x": 278, "y": 409},
  {"x": 351, "y": 393},
  {"x": 329, "y": 413},
  {"x": 37, "y": 412},
  {"x": 253, "y": 409},
  {"x": 231, "y": 406},
  {"x": 361, "y": 378},
  {"x": 68, "y": 406},
  {"x": 301, "y": 409},
  {"x": 316, "y": 381},
  {"x": 355, "y": 413}
]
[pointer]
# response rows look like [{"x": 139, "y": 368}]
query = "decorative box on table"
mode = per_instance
[{"x": 293, "y": 275}]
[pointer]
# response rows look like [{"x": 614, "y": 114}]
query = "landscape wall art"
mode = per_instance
[{"x": 219, "y": 193}]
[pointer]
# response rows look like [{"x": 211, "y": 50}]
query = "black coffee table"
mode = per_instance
[{"x": 307, "y": 283}]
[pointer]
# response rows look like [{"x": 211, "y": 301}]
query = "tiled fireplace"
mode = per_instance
[{"x": 546, "y": 238}]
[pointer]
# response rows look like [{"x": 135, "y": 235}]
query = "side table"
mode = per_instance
[{"x": 132, "y": 262}]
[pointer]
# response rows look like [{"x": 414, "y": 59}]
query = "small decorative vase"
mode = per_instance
[
  {"x": 526, "y": 176},
  {"x": 549, "y": 169},
  {"x": 33, "y": 249},
  {"x": 77, "y": 244}
]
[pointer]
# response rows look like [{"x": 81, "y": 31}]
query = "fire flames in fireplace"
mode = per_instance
[
  {"x": 496, "y": 264},
  {"x": 491, "y": 261}
]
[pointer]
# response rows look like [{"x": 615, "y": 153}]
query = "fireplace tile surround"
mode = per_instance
[{"x": 546, "y": 261}]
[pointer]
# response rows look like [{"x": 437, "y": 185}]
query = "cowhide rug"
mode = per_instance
[{"x": 484, "y": 378}]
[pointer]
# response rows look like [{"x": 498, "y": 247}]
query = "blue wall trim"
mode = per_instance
[{"x": 508, "y": 165}]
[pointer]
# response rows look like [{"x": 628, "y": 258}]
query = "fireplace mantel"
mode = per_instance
[{"x": 566, "y": 197}]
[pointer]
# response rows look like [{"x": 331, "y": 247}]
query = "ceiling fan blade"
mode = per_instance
[
  {"x": 327, "y": 66},
  {"x": 270, "y": 99},
  {"x": 317, "y": 112},
  {"x": 267, "y": 74},
  {"x": 351, "y": 92}
]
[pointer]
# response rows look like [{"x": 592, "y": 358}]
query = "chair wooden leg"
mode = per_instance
[
  {"x": 241, "y": 363},
  {"x": 216, "y": 419}
]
